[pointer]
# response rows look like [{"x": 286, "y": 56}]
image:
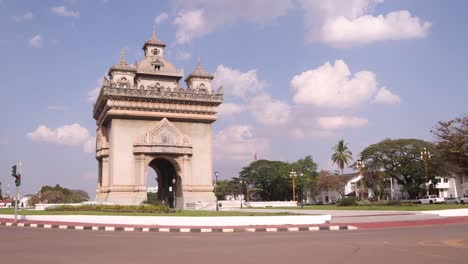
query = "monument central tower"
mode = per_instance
[{"x": 145, "y": 119}]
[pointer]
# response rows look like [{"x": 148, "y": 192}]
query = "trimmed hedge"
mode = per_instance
[
  {"x": 351, "y": 201},
  {"x": 115, "y": 208}
]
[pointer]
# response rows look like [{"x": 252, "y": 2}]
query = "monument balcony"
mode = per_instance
[{"x": 158, "y": 99}]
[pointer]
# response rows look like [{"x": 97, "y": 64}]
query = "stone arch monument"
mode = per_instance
[{"x": 145, "y": 119}]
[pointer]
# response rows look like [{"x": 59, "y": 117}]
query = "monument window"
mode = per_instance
[
  {"x": 155, "y": 52},
  {"x": 157, "y": 67}
]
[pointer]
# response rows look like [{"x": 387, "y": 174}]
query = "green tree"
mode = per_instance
[
  {"x": 375, "y": 180},
  {"x": 58, "y": 194},
  {"x": 268, "y": 180},
  {"x": 308, "y": 168},
  {"x": 400, "y": 159},
  {"x": 452, "y": 141},
  {"x": 341, "y": 155},
  {"x": 220, "y": 189}
]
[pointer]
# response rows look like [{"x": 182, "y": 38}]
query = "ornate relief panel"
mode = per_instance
[{"x": 165, "y": 138}]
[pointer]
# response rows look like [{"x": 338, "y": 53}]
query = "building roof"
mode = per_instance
[
  {"x": 199, "y": 72},
  {"x": 123, "y": 65},
  {"x": 7, "y": 200},
  {"x": 154, "y": 41}
]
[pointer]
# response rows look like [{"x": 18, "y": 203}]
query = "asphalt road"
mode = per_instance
[{"x": 433, "y": 244}]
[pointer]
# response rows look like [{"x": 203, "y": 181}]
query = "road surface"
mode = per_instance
[{"x": 431, "y": 244}]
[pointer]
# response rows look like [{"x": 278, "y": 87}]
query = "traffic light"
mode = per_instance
[
  {"x": 18, "y": 180},
  {"x": 14, "y": 171}
]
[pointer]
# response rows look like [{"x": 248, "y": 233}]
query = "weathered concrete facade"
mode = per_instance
[{"x": 147, "y": 120}]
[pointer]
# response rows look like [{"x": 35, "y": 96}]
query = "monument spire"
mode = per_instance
[
  {"x": 153, "y": 36},
  {"x": 122, "y": 57}
]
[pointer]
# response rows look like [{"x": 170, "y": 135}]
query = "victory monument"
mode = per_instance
[{"x": 147, "y": 120}]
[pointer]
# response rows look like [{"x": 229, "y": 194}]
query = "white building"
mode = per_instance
[
  {"x": 454, "y": 186},
  {"x": 449, "y": 186}
]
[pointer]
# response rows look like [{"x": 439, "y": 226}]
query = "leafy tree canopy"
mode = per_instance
[
  {"x": 58, "y": 194},
  {"x": 341, "y": 155},
  {"x": 400, "y": 159},
  {"x": 270, "y": 180},
  {"x": 452, "y": 141}
]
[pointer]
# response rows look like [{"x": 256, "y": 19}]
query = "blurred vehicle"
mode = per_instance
[
  {"x": 451, "y": 200},
  {"x": 431, "y": 199},
  {"x": 463, "y": 200}
]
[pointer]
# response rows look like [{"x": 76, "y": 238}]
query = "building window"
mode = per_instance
[{"x": 446, "y": 179}]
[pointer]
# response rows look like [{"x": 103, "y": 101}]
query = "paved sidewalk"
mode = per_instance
[{"x": 354, "y": 216}]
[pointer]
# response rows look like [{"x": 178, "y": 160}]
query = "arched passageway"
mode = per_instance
[{"x": 167, "y": 181}]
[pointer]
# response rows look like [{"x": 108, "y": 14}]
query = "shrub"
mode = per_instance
[
  {"x": 348, "y": 202},
  {"x": 393, "y": 203},
  {"x": 115, "y": 208}
]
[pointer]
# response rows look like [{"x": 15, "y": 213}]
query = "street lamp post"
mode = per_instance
[
  {"x": 302, "y": 190},
  {"x": 216, "y": 184},
  {"x": 174, "y": 192},
  {"x": 240, "y": 197},
  {"x": 391, "y": 187},
  {"x": 426, "y": 156},
  {"x": 247, "y": 190},
  {"x": 293, "y": 176},
  {"x": 361, "y": 167}
]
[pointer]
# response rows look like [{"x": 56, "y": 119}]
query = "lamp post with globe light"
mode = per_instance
[
  {"x": 174, "y": 189},
  {"x": 293, "y": 176},
  {"x": 216, "y": 184},
  {"x": 302, "y": 190},
  {"x": 425, "y": 157}
]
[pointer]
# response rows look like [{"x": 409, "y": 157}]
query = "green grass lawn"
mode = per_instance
[
  {"x": 177, "y": 213},
  {"x": 416, "y": 207}
]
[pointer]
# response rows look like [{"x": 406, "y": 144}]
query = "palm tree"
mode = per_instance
[{"x": 341, "y": 155}]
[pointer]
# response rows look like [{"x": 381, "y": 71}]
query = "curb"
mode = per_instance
[{"x": 91, "y": 227}]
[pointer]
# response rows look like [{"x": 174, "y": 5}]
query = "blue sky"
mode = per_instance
[{"x": 298, "y": 75}]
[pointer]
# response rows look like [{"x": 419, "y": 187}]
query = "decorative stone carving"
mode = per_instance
[{"x": 165, "y": 133}]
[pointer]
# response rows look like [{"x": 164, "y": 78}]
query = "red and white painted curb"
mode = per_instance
[{"x": 161, "y": 229}]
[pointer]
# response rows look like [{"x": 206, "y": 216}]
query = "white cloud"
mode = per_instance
[
  {"x": 237, "y": 83},
  {"x": 73, "y": 135},
  {"x": 190, "y": 24},
  {"x": 368, "y": 29},
  {"x": 341, "y": 122},
  {"x": 182, "y": 55},
  {"x": 94, "y": 93},
  {"x": 25, "y": 16},
  {"x": 36, "y": 41},
  {"x": 161, "y": 18},
  {"x": 229, "y": 109},
  {"x": 269, "y": 111},
  {"x": 333, "y": 86},
  {"x": 344, "y": 23},
  {"x": 384, "y": 96},
  {"x": 238, "y": 143},
  {"x": 197, "y": 18},
  {"x": 248, "y": 87},
  {"x": 63, "y": 11},
  {"x": 89, "y": 145},
  {"x": 309, "y": 132}
]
